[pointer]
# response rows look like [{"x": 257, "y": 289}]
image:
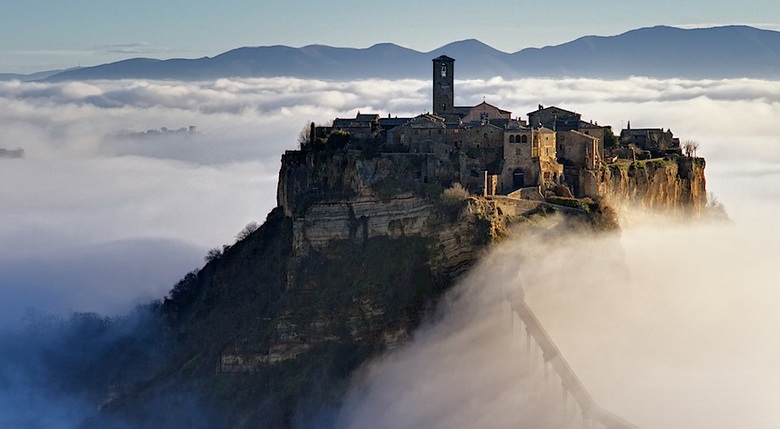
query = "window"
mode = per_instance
[
  {"x": 523, "y": 139},
  {"x": 512, "y": 138},
  {"x": 535, "y": 150}
]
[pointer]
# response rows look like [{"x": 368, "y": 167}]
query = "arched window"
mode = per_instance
[
  {"x": 512, "y": 138},
  {"x": 524, "y": 139}
]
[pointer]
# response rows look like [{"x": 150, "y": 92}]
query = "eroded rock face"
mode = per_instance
[
  {"x": 356, "y": 219},
  {"x": 362, "y": 214},
  {"x": 676, "y": 186}
]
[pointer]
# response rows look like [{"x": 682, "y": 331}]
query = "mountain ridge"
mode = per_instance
[{"x": 733, "y": 51}]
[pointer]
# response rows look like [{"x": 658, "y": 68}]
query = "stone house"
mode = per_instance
[
  {"x": 485, "y": 112},
  {"x": 577, "y": 149},
  {"x": 420, "y": 133},
  {"x": 529, "y": 159},
  {"x": 554, "y": 118},
  {"x": 363, "y": 126},
  {"x": 579, "y": 154},
  {"x": 598, "y": 131},
  {"x": 558, "y": 119},
  {"x": 654, "y": 140},
  {"x": 483, "y": 135}
]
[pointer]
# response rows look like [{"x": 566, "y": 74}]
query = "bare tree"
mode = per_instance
[
  {"x": 213, "y": 254},
  {"x": 306, "y": 136},
  {"x": 690, "y": 147}
]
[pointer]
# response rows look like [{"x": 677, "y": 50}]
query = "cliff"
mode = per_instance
[
  {"x": 357, "y": 252},
  {"x": 674, "y": 186}
]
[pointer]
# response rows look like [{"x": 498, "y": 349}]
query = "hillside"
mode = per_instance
[
  {"x": 662, "y": 52},
  {"x": 266, "y": 334},
  {"x": 270, "y": 331}
]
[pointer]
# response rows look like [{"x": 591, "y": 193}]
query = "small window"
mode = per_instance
[
  {"x": 523, "y": 139},
  {"x": 512, "y": 138}
]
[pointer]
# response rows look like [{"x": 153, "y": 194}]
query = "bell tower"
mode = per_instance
[{"x": 443, "y": 88}]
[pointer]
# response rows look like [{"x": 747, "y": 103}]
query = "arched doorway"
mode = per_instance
[{"x": 518, "y": 179}]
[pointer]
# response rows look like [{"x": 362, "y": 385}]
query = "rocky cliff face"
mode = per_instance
[
  {"x": 312, "y": 177},
  {"x": 673, "y": 186}
]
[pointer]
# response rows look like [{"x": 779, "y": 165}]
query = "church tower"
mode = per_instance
[{"x": 443, "y": 88}]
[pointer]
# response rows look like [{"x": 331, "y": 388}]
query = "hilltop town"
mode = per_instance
[
  {"x": 553, "y": 153},
  {"x": 378, "y": 217}
]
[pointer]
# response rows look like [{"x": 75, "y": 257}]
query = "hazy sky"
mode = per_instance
[{"x": 38, "y": 35}]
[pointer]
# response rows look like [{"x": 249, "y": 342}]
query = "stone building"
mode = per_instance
[
  {"x": 529, "y": 160},
  {"x": 419, "y": 133},
  {"x": 577, "y": 149},
  {"x": 656, "y": 141},
  {"x": 554, "y": 118},
  {"x": 363, "y": 126},
  {"x": 579, "y": 154},
  {"x": 485, "y": 112},
  {"x": 602, "y": 133},
  {"x": 482, "y": 135}
]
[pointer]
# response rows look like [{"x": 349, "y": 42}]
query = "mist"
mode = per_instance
[{"x": 667, "y": 325}]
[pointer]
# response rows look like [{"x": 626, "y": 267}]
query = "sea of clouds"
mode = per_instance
[{"x": 97, "y": 217}]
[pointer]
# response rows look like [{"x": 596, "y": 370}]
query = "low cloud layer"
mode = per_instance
[
  {"x": 688, "y": 325},
  {"x": 668, "y": 325}
]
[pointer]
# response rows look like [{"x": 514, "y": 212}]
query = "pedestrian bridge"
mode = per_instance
[{"x": 576, "y": 408}]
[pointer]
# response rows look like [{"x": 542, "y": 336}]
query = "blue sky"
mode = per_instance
[{"x": 38, "y": 35}]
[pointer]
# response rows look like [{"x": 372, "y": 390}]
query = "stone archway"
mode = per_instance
[{"x": 518, "y": 179}]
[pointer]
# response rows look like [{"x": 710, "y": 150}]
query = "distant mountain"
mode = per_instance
[
  {"x": 719, "y": 52},
  {"x": 33, "y": 76}
]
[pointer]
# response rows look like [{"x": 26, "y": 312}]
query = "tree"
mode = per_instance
[
  {"x": 213, "y": 254},
  {"x": 306, "y": 135},
  {"x": 247, "y": 231},
  {"x": 216, "y": 253},
  {"x": 690, "y": 147},
  {"x": 610, "y": 139},
  {"x": 338, "y": 139}
]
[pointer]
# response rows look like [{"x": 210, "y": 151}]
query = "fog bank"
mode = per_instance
[{"x": 669, "y": 325}]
